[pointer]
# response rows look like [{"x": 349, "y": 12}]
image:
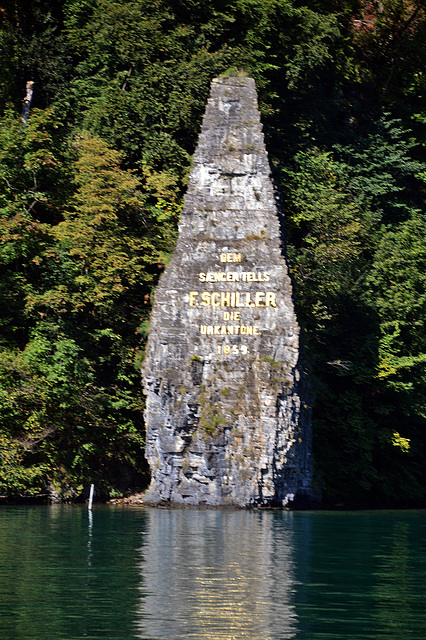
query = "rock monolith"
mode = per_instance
[{"x": 227, "y": 417}]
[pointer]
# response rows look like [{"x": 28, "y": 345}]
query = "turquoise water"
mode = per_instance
[{"x": 157, "y": 574}]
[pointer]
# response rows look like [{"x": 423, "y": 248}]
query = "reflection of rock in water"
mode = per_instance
[{"x": 218, "y": 575}]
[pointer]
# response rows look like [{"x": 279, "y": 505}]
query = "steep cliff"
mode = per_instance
[{"x": 227, "y": 420}]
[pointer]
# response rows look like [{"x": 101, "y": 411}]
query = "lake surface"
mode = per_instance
[{"x": 122, "y": 573}]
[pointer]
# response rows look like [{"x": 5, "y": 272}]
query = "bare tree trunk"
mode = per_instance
[{"x": 27, "y": 102}]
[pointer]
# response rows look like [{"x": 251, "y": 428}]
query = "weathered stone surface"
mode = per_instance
[{"x": 227, "y": 423}]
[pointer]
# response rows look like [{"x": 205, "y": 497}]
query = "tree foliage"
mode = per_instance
[{"x": 90, "y": 193}]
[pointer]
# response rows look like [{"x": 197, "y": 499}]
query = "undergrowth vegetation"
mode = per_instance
[{"x": 90, "y": 193}]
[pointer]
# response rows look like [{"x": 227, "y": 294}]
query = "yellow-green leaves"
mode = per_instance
[
  {"x": 402, "y": 443},
  {"x": 100, "y": 248}
]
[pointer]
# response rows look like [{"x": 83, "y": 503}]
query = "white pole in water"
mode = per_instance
[{"x": 92, "y": 488}]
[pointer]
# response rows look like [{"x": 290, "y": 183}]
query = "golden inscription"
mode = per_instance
[
  {"x": 192, "y": 298},
  {"x": 234, "y": 350},
  {"x": 234, "y": 276},
  {"x": 233, "y": 316},
  {"x": 232, "y": 299},
  {"x": 231, "y": 257},
  {"x": 229, "y": 330}
]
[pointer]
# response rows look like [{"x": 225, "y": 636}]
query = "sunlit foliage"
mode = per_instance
[{"x": 90, "y": 194}]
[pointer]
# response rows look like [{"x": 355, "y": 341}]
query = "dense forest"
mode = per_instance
[{"x": 91, "y": 186}]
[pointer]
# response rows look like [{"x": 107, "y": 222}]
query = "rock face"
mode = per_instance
[{"x": 227, "y": 421}]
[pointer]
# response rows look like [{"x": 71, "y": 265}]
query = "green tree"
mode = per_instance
[
  {"x": 71, "y": 392},
  {"x": 343, "y": 211},
  {"x": 90, "y": 192}
]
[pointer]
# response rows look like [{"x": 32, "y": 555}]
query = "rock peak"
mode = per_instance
[{"x": 226, "y": 413}]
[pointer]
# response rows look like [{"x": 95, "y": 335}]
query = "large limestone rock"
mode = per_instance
[{"x": 227, "y": 422}]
